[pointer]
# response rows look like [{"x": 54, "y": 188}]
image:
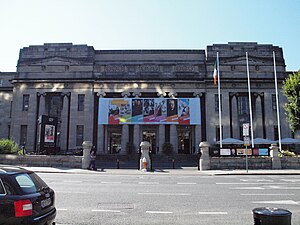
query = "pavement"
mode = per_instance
[{"x": 182, "y": 171}]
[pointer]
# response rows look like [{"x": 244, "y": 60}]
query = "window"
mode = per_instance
[
  {"x": 43, "y": 68},
  {"x": 218, "y": 133},
  {"x": 217, "y": 102},
  {"x": 25, "y": 102},
  {"x": 232, "y": 67},
  {"x": 1, "y": 83},
  {"x": 276, "y": 133},
  {"x": 2, "y": 190},
  {"x": 243, "y": 105},
  {"x": 257, "y": 68},
  {"x": 79, "y": 135},
  {"x": 81, "y": 102},
  {"x": 274, "y": 102},
  {"x": 23, "y": 136}
]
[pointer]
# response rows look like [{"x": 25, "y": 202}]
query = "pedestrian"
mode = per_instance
[{"x": 92, "y": 165}]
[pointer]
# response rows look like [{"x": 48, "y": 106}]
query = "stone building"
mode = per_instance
[{"x": 95, "y": 96}]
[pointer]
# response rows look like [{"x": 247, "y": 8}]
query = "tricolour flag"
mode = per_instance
[{"x": 215, "y": 73}]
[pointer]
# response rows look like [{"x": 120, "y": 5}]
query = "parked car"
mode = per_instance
[{"x": 25, "y": 198}]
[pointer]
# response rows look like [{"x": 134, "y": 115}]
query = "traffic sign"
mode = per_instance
[
  {"x": 246, "y": 141},
  {"x": 245, "y": 129}
]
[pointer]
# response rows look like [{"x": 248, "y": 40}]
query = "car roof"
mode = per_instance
[{"x": 8, "y": 169}]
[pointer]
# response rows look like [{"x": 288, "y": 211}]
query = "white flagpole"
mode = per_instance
[
  {"x": 219, "y": 96},
  {"x": 250, "y": 104},
  {"x": 277, "y": 102}
]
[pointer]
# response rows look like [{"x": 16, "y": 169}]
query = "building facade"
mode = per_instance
[{"x": 117, "y": 98}]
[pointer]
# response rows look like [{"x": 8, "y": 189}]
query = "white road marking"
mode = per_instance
[
  {"x": 247, "y": 188},
  {"x": 252, "y": 183},
  {"x": 71, "y": 192},
  {"x": 213, "y": 213},
  {"x": 106, "y": 210},
  {"x": 186, "y": 183},
  {"x": 159, "y": 212},
  {"x": 104, "y": 182},
  {"x": 72, "y": 181},
  {"x": 62, "y": 209},
  {"x": 266, "y": 194},
  {"x": 148, "y": 183},
  {"x": 167, "y": 194},
  {"x": 283, "y": 202}
]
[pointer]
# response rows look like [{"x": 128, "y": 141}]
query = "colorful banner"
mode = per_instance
[{"x": 183, "y": 111}]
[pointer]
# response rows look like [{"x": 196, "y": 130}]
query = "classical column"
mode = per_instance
[
  {"x": 198, "y": 134},
  {"x": 258, "y": 124},
  {"x": 235, "y": 122},
  {"x": 101, "y": 132},
  {"x": 63, "y": 137},
  {"x": 136, "y": 137},
  {"x": 174, "y": 138},
  {"x": 161, "y": 137},
  {"x": 42, "y": 108},
  {"x": 124, "y": 138},
  {"x": 276, "y": 163},
  {"x": 225, "y": 115}
]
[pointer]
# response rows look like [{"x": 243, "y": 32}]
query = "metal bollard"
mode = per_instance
[
  {"x": 173, "y": 162},
  {"x": 271, "y": 216},
  {"x": 118, "y": 164}
]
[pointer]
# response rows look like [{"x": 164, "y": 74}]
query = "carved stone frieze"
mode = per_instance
[
  {"x": 114, "y": 68},
  {"x": 149, "y": 68},
  {"x": 184, "y": 68}
]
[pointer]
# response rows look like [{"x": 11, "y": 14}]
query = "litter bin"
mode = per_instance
[{"x": 271, "y": 216}]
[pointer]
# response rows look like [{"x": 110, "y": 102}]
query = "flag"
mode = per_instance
[{"x": 215, "y": 73}]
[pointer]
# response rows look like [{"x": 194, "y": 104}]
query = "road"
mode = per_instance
[{"x": 97, "y": 198}]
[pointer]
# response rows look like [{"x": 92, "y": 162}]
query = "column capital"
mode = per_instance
[
  {"x": 101, "y": 94},
  {"x": 41, "y": 94},
  {"x": 173, "y": 94},
  {"x": 66, "y": 94},
  {"x": 198, "y": 94},
  {"x": 161, "y": 94},
  {"x": 136, "y": 94},
  {"x": 125, "y": 94}
]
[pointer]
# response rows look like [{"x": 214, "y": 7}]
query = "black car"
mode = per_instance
[{"x": 25, "y": 198}]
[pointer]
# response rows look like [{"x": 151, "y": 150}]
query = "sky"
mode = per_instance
[{"x": 148, "y": 24}]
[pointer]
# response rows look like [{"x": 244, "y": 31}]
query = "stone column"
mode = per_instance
[
  {"x": 174, "y": 138},
  {"x": 258, "y": 124},
  {"x": 235, "y": 122},
  {"x": 64, "y": 122},
  {"x": 161, "y": 137},
  {"x": 136, "y": 137},
  {"x": 225, "y": 115},
  {"x": 86, "y": 146},
  {"x": 198, "y": 134},
  {"x": 204, "y": 159},
  {"x": 42, "y": 108},
  {"x": 124, "y": 138},
  {"x": 276, "y": 163},
  {"x": 101, "y": 132}
]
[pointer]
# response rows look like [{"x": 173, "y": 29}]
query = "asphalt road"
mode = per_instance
[{"x": 97, "y": 198}]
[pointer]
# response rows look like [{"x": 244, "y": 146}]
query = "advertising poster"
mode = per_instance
[
  {"x": 49, "y": 133},
  {"x": 182, "y": 111},
  {"x": 225, "y": 151},
  {"x": 242, "y": 151},
  {"x": 263, "y": 152}
]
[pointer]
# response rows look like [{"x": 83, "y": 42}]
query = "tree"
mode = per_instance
[{"x": 291, "y": 89}]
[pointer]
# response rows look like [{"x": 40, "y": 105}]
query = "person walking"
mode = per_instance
[{"x": 92, "y": 165}]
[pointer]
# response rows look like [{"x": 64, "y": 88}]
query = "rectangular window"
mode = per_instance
[
  {"x": 243, "y": 105},
  {"x": 276, "y": 133},
  {"x": 217, "y": 102},
  {"x": 81, "y": 102},
  {"x": 218, "y": 133},
  {"x": 79, "y": 135},
  {"x": 25, "y": 102},
  {"x": 23, "y": 135},
  {"x": 1, "y": 83},
  {"x": 274, "y": 102}
]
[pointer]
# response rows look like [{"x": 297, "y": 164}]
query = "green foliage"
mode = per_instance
[
  {"x": 286, "y": 153},
  {"x": 167, "y": 148},
  {"x": 291, "y": 89},
  {"x": 8, "y": 146}
]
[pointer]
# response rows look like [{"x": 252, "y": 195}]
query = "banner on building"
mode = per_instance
[{"x": 185, "y": 111}]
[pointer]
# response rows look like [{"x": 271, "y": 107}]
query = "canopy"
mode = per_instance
[
  {"x": 231, "y": 141},
  {"x": 289, "y": 141}
]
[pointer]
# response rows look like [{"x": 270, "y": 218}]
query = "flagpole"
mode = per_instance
[
  {"x": 277, "y": 102},
  {"x": 219, "y": 97},
  {"x": 250, "y": 104}
]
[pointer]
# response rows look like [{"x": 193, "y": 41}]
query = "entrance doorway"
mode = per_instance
[
  {"x": 184, "y": 140},
  {"x": 150, "y": 136}
]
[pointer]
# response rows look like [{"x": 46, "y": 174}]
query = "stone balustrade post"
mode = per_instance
[
  {"x": 276, "y": 163},
  {"x": 86, "y": 146},
  {"x": 204, "y": 159}
]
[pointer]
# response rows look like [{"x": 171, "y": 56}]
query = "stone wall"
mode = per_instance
[
  {"x": 42, "y": 160},
  {"x": 253, "y": 163}
]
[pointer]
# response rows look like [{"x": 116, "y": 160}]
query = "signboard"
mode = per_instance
[
  {"x": 245, "y": 129},
  {"x": 183, "y": 111},
  {"x": 246, "y": 141}
]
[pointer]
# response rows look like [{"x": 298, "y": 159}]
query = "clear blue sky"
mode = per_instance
[{"x": 148, "y": 24}]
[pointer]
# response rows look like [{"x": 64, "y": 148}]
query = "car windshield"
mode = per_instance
[{"x": 30, "y": 183}]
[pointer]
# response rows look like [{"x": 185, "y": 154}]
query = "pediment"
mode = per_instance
[{"x": 55, "y": 61}]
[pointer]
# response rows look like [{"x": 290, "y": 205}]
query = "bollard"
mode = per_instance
[
  {"x": 271, "y": 216},
  {"x": 144, "y": 164},
  {"x": 173, "y": 161}
]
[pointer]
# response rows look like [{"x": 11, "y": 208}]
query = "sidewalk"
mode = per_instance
[{"x": 183, "y": 171}]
